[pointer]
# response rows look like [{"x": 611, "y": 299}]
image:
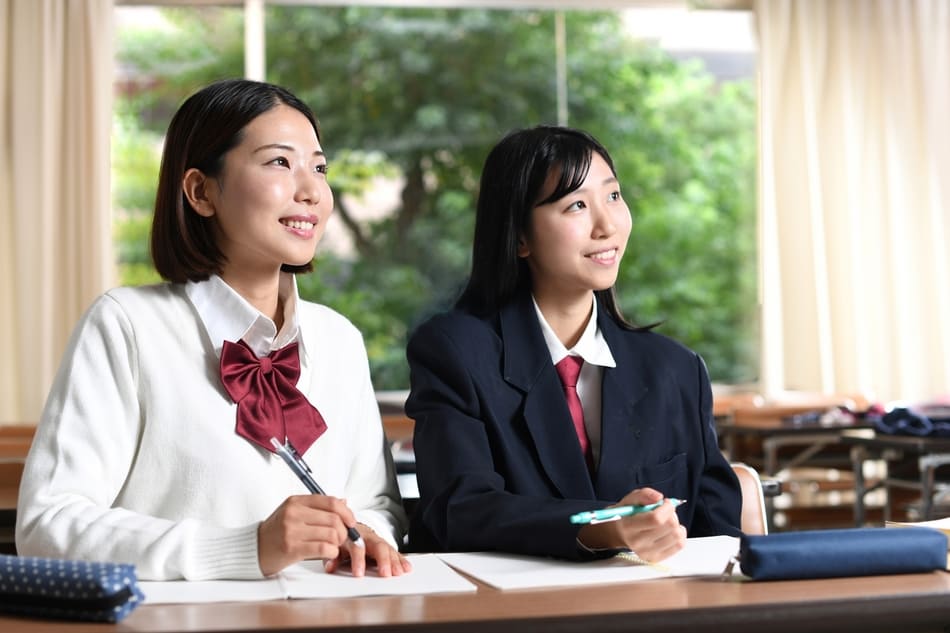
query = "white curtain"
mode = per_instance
[
  {"x": 55, "y": 203},
  {"x": 855, "y": 196}
]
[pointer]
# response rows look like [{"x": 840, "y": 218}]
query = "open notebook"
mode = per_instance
[
  {"x": 308, "y": 580},
  {"x": 706, "y": 556},
  {"x": 434, "y": 574}
]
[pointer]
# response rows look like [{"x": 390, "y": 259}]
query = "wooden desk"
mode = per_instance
[
  {"x": 8, "y": 499},
  {"x": 930, "y": 452},
  {"x": 15, "y": 443},
  {"x": 808, "y": 459},
  {"x": 774, "y": 434},
  {"x": 908, "y": 603}
]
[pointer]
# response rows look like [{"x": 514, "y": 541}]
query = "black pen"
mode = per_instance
[{"x": 293, "y": 459}]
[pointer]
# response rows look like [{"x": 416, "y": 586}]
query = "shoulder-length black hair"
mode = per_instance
[
  {"x": 512, "y": 185},
  {"x": 206, "y": 126}
]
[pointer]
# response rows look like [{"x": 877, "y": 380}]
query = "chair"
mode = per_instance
[{"x": 754, "y": 519}]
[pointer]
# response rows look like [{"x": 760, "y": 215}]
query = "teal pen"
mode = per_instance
[{"x": 612, "y": 514}]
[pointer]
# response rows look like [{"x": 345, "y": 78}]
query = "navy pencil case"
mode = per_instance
[
  {"x": 846, "y": 552},
  {"x": 68, "y": 589}
]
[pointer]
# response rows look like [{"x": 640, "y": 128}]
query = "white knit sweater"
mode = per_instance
[{"x": 136, "y": 459}]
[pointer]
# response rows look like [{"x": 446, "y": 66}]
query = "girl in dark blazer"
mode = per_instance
[{"x": 505, "y": 453}]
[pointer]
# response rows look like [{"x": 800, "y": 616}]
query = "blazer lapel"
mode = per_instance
[
  {"x": 528, "y": 367},
  {"x": 624, "y": 386}
]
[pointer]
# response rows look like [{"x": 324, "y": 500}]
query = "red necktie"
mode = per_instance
[
  {"x": 269, "y": 403},
  {"x": 569, "y": 368}
]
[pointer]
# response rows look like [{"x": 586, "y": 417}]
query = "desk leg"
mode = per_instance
[
  {"x": 926, "y": 468},
  {"x": 927, "y": 465},
  {"x": 858, "y": 455}
]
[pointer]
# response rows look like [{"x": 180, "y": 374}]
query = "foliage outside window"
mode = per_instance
[{"x": 414, "y": 99}]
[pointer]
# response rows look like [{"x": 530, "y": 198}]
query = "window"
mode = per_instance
[{"x": 410, "y": 101}]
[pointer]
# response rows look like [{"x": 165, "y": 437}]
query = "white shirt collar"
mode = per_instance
[
  {"x": 591, "y": 346},
  {"x": 227, "y": 316}
]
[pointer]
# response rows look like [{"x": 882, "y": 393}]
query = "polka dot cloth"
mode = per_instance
[{"x": 69, "y": 589}]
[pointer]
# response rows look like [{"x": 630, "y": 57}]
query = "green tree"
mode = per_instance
[
  {"x": 424, "y": 94},
  {"x": 135, "y": 160}
]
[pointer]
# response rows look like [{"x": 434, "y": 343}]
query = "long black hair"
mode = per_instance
[{"x": 512, "y": 183}]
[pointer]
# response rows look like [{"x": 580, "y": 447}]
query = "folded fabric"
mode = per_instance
[
  {"x": 922, "y": 421},
  {"x": 846, "y": 552},
  {"x": 834, "y": 416},
  {"x": 68, "y": 589}
]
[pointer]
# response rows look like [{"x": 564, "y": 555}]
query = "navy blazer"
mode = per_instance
[{"x": 498, "y": 463}]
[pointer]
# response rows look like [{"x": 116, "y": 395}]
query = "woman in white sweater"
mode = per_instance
[{"x": 143, "y": 453}]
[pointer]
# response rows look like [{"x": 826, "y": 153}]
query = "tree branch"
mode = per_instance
[{"x": 364, "y": 246}]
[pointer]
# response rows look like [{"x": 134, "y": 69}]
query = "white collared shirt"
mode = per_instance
[
  {"x": 227, "y": 316},
  {"x": 593, "y": 348}
]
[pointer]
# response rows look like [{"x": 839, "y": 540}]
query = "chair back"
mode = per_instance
[{"x": 754, "y": 518}]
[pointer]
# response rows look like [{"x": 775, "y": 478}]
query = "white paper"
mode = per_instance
[
  {"x": 938, "y": 524},
  {"x": 184, "y": 591},
  {"x": 428, "y": 575},
  {"x": 701, "y": 557},
  {"x": 309, "y": 580}
]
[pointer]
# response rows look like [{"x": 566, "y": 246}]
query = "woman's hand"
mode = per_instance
[
  {"x": 389, "y": 562},
  {"x": 652, "y": 535},
  {"x": 304, "y": 527}
]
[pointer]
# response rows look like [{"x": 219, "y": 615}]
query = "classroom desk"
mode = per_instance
[
  {"x": 930, "y": 452},
  {"x": 14, "y": 444},
  {"x": 911, "y": 603},
  {"x": 774, "y": 434},
  {"x": 8, "y": 499},
  {"x": 763, "y": 439}
]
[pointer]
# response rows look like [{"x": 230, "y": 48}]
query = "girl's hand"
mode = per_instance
[
  {"x": 389, "y": 562},
  {"x": 653, "y": 535},
  {"x": 304, "y": 527}
]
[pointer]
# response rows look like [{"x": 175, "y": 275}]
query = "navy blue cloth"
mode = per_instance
[
  {"x": 845, "y": 552},
  {"x": 68, "y": 589},
  {"x": 497, "y": 458},
  {"x": 921, "y": 421}
]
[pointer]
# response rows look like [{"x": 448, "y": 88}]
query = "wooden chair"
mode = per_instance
[
  {"x": 754, "y": 519},
  {"x": 397, "y": 426}
]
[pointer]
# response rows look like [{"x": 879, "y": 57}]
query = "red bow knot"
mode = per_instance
[{"x": 268, "y": 401}]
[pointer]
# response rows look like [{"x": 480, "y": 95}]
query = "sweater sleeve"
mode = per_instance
[
  {"x": 371, "y": 488},
  {"x": 85, "y": 446}
]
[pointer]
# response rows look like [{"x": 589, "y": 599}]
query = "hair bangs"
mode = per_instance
[{"x": 571, "y": 169}]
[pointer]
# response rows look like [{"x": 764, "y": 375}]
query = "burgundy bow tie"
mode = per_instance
[{"x": 269, "y": 403}]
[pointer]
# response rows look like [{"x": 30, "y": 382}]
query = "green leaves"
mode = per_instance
[{"x": 419, "y": 96}]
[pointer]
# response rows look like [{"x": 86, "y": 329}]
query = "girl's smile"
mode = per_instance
[{"x": 574, "y": 245}]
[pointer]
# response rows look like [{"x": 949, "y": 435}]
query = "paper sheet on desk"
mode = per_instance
[
  {"x": 308, "y": 580},
  {"x": 938, "y": 524},
  {"x": 701, "y": 557}
]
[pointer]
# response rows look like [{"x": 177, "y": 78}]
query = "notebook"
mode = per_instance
[{"x": 308, "y": 580}]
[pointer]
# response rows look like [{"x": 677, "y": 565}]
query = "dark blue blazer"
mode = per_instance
[{"x": 497, "y": 459}]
